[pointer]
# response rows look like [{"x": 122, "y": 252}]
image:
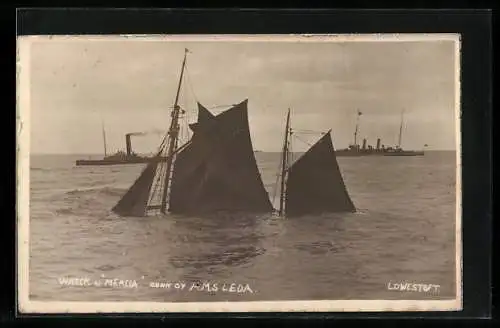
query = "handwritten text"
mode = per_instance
[
  {"x": 412, "y": 287},
  {"x": 204, "y": 287},
  {"x": 87, "y": 282}
]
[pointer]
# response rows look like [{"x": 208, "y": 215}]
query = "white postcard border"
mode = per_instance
[{"x": 27, "y": 306}]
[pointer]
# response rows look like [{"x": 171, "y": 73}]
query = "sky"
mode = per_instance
[{"x": 129, "y": 84}]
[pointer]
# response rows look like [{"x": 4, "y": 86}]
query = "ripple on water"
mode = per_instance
[{"x": 402, "y": 232}]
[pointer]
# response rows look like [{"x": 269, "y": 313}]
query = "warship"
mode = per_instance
[{"x": 379, "y": 149}]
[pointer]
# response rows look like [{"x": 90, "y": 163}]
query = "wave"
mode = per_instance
[
  {"x": 39, "y": 169},
  {"x": 64, "y": 211},
  {"x": 319, "y": 247},
  {"x": 236, "y": 256}
]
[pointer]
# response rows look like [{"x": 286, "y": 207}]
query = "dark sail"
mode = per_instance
[
  {"x": 218, "y": 171},
  {"x": 204, "y": 116},
  {"x": 135, "y": 201},
  {"x": 315, "y": 184}
]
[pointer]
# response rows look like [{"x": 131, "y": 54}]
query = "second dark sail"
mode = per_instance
[{"x": 315, "y": 183}]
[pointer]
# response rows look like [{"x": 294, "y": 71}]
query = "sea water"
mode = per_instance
[{"x": 400, "y": 244}]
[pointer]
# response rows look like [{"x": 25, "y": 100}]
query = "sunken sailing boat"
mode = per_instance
[
  {"x": 313, "y": 184},
  {"x": 214, "y": 171}
]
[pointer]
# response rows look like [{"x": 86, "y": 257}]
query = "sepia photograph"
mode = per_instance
[{"x": 239, "y": 173}]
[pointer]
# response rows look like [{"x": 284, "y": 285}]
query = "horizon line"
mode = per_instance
[{"x": 257, "y": 150}]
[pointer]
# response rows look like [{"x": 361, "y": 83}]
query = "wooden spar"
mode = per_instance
[
  {"x": 284, "y": 160},
  {"x": 173, "y": 134}
]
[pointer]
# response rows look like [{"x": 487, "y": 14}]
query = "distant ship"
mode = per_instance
[
  {"x": 380, "y": 149},
  {"x": 120, "y": 157}
]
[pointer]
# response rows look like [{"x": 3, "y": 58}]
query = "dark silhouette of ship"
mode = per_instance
[
  {"x": 120, "y": 157},
  {"x": 216, "y": 171},
  {"x": 380, "y": 149}
]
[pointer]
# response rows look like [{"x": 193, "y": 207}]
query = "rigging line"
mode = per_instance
[
  {"x": 162, "y": 145},
  {"x": 159, "y": 172},
  {"x": 157, "y": 184},
  {"x": 186, "y": 127},
  {"x": 183, "y": 128},
  {"x": 154, "y": 194},
  {"x": 220, "y": 106},
  {"x": 160, "y": 148},
  {"x": 307, "y": 143},
  {"x": 163, "y": 171},
  {"x": 275, "y": 188},
  {"x": 308, "y": 131}
]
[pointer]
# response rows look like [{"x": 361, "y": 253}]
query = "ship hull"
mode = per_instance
[
  {"x": 406, "y": 153},
  {"x": 362, "y": 154},
  {"x": 104, "y": 162}
]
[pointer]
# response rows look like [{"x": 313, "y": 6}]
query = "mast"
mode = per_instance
[
  {"x": 401, "y": 129},
  {"x": 104, "y": 138},
  {"x": 284, "y": 160},
  {"x": 173, "y": 134}
]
